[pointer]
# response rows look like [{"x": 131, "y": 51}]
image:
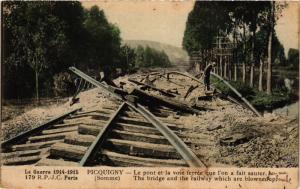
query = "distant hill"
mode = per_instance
[{"x": 175, "y": 54}]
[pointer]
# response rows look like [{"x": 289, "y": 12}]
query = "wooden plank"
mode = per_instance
[
  {"x": 110, "y": 106},
  {"x": 77, "y": 139},
  {"x": 150, "y": 138},
  {"x": 62, "y": 125},
  {"x": 134, "y": 121},
  {"x": 106, "y": 112},
  {"x": 142, "y": 149},
  {"x": 56, "y": 162},
  {"x": 133, "y": 114},
  {"x": 27, "y": 160},
  {"x": 60, "y": 130},
  {"x": 143, "y": 122},
  {"x": 118, "y": 159},
  {"x": 89, "y": 130},
  {"x": 23, "y": 153},
  {"x": 67, "y": 151},
  {"x": 171, "y": 123},
  {"x": 76, "y": 120},
  {"x": 34, "y": 146},
  {"x": 48, "y": 137},
  {"x": 91, "y": 115},
  {"x": 169, "y": 120},
  {"x": 93, "y": 122},
  {"x": 136, "y": 128}
]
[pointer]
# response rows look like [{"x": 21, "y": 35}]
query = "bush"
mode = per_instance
[
  {"x": 244, "y": 89},
  {"x": 63, "y": 84},
  {"x": 262, "y": 100},
  {"x": 259, "y": 100}
]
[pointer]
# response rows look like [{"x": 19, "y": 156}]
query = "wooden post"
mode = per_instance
[
  {"x": 225, "y": 67},
  {"x": 269, "y": 70},
  {"x": 261, "y": 65},
  {"x": 221, "y": 66},
  {"x": 197, "y": 67},
  {"x": 230, "y": 68},
  {"x": 235, "y": 72}
]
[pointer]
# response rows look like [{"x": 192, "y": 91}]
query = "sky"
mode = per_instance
[{"x": 164, "y": 21}]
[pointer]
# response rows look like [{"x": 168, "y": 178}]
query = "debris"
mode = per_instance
[
  {"x": 190, "y": 90},
  {"x": 172, "y": 103},
  {"x": 234, "y": 139},
  {"x": 132, "y": 98},
  {"x": 146, "y": 86},
  {"x": 269, "y": 117},
  {"x": 214, "y": 127},
  {"x": 74, "y": 101},
  {"x": 209, "y": 92}
]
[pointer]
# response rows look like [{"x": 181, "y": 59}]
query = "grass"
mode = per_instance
[
  {"x": 259, "y": 100},
  {"x": 264, "y": 101}
]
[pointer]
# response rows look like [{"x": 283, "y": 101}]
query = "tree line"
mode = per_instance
[
  {"x": 42, "y": 39},
  {"x": 249, "y": 26}
]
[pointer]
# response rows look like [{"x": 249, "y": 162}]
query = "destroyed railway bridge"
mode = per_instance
[{"x": 132, "y": 129}]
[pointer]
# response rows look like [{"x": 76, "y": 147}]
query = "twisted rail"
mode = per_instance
[{"x": 190, "y": 158}]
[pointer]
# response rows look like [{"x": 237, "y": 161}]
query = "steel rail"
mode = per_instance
[
  {"x": 190, "y": 158},
  {"x": 39, "y": 128},
  {"x": 94, "y": 82},
  {"x": 91, "y": 152},
  {"x": 249, "y": 105},
  {"x": 238, "y": 94}
]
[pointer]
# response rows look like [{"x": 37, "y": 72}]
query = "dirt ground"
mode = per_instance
[
  {"x": 33, "y": 116},
  {"x": 234, "y": 135},
  {"x": 225, "y": 134}
]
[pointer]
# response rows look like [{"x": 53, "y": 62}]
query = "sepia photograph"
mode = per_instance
[{"x": 177, "y": 84}]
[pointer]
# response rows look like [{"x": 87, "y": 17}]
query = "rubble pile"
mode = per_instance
[
  {"x": 234, "y": 136},
  {"x": 222, "y": 133}
]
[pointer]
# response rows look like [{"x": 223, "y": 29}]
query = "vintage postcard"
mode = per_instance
[{"x": 149, "y": 94}]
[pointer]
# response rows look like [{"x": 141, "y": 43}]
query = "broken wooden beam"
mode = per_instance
[
  {"x": 190, "y": 90},
  {"x": 147, "y": 86},
  {"x": 172, "y": 103}
]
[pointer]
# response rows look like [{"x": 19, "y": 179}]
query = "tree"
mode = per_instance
[
  {"x": 271, "y": 28},
  {"x": 261, "y": 51},
  {"x": 249, "y": 15},
  {"x": 139, "y": 56},
  {"x": 205, "y": 22},
  {"x": 260, "y": 78},
  {"x": 273, "y": 14},
  {"x": 149, "y": 57},
  {"x": 103, "y": 41},
  {"x": 253, "y": 16},
  {"x": 33, "y": 35},
  {"x": 293, "y": 59},
  {"x": 45, "y": 38},
  {"x": 127, "y": 58}
]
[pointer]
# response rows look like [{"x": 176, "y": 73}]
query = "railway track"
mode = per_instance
[{"x": 121, "y": 133}]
